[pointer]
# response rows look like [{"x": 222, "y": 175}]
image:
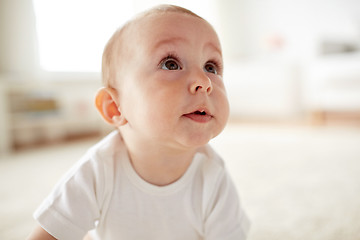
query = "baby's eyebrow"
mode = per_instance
[
  {"x": 175, "y": 40},
  {"x": 214, "y": 47}
]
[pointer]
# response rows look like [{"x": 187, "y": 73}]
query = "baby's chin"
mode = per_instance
[{"x": 196, "y": 141}]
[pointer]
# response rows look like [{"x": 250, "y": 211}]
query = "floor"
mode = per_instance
[{"x": 295, "y": 181}]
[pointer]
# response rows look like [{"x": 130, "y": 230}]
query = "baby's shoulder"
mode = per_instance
[
  {"x": 212, "y": 165},
  {"x": 104, "y": 154},
  {"x": 212, "y": 157},
  {"x": 107, "y": 145},
  {"x": 107, "y": 148}
]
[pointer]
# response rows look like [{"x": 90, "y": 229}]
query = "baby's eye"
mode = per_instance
[
  {"x": 170, "y": 64},
  {"x": 211, "y": 68}
]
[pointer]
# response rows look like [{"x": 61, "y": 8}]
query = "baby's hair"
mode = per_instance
[{"x": 113, "y": 46}]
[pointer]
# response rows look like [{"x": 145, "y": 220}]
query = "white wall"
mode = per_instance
[
  {"x": 18, "y": 42},
  {"x": 249, "y": 26}
]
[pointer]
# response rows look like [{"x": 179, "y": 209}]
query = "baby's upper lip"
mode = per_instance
[{"x": 200, "y": 110}]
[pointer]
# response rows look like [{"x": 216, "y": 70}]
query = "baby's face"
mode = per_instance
[{"x": 172, "y": 91}]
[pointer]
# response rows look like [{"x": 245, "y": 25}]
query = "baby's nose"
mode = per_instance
[{"x": 201, "y": 83}]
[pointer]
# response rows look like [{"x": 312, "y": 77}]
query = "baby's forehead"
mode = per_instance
[
  {"x": 147, "y": 32},
  {"x": 152, "y": 19},
  {"x": 167, "y": 23}
]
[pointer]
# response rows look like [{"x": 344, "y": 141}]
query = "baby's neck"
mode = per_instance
[
  {"x": 161, "y": 172},
  {"x": 159, "y": 166}
]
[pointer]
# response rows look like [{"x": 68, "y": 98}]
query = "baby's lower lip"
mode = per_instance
[{"x": 198, "y": 118}]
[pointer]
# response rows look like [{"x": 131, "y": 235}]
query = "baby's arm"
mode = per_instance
[
  {"x": 40, "y": 234},
  {"x": 226, "y": 219}
]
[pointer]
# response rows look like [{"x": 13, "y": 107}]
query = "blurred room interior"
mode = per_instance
[{"x": 292, "y": 72}]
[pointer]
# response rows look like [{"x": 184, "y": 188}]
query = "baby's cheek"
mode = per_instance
[{"x": 223, "y": 108}]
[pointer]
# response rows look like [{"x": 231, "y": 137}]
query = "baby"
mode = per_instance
[{"x": 155, "y": 176}]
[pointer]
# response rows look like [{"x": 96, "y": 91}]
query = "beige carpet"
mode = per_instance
[{"x": 295, "y": 182}]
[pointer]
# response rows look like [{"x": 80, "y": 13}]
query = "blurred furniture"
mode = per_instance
[
  {"x": 332, "y": 87},
  {"x": 43, "y": 111},
  {"x": 264, "y": 89}
]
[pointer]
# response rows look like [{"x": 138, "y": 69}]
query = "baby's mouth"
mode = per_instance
[
  {"x": 200, "y": 116},
  {"x": 200, "y": 112}
]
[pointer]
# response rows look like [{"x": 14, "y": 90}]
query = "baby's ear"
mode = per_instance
[{"x": 107, "y": 106}]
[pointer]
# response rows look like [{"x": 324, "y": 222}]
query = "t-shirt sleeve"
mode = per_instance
[
  {"x": 73, "y": 207},
  {"x": 225, "y": 218}
]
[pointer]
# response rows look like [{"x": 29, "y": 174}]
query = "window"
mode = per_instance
[{"x": 72, "y": 34}]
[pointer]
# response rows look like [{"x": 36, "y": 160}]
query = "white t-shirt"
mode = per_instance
[{"x": 103, "y": 193}]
